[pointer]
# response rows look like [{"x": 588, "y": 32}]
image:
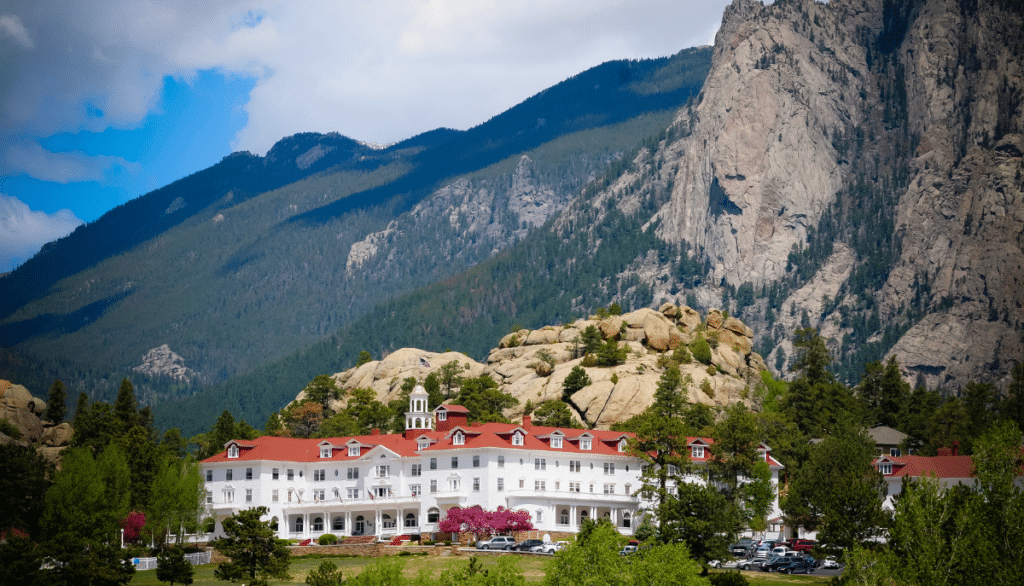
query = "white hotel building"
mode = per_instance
[{"x": 387, "y": 485}]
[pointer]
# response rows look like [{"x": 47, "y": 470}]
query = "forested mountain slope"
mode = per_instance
[
  {"x": 853, "y": 166},
  {"x": 240, "y": 264}
]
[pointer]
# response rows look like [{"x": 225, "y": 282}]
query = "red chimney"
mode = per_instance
[
  {"x": 527, "y": 422},
  {"x": 375, "y": 431}
]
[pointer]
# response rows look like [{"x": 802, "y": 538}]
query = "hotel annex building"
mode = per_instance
[{"x": 387, "y": 485}]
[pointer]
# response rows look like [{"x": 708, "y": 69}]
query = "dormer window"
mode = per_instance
[
  {"x": 422, "y": 444},
  {"x": 325, "y": 451},
  {"x": 442, "y": 415},
  {"x": 885, "y": 468},
  {"x": 622, "y": 445},
  {"x": 585, "y": 443},
  {"x": 556, "y": 442},
  {"x": 697, "y": 451},
  {"x": 458, "y": 439},
  {"x": 233, "y": 451},
  {"x": 517, "y": 439},
  {"x": 353, "y": 450}
]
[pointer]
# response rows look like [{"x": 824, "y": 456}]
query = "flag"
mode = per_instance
[
  {"x": 371, "y": 493},
  {"x": 424, "y": 363}
]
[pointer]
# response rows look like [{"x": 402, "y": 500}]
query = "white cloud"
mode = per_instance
[
  {"x": 12, "y": 29},
  {"x": 64, "y": 167},
  {"x": 374, "y": 71},
  {"x": 24, "y": 231}
]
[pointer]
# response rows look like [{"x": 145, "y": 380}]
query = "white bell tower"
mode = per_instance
[{"x": 419, "y": 416}]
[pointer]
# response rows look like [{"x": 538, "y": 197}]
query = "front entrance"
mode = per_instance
[{"x": 360, "y": 526}]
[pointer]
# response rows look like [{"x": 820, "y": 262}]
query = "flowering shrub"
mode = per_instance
[
  {"x": 477, "y": 520},
  {"x": 132, "y": 525}
]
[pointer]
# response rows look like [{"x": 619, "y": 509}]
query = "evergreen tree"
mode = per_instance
[
  {"x": 451, "y": 377},
  {"x": 23, "y": 485},
  {"x": 322, "y": 390},
  {"x": 816, "y": 401},
  {"x": 883, "y": 393},
  {"x": 576, "y": 380},
  {"x": 484, "y": 400},
  {"x": 141, "y": 455},
  {"x": 555, "y": 414},
  {"x": 432, "y": 384},
  {"x": 56, "y": 402},
  {"x": 126, "y": 407},
  {"x": 173, "y": 567},
  {"x": 255, "y": 552}
]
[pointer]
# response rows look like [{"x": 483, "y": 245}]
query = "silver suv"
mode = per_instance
[{"x": 496, "y": 542}]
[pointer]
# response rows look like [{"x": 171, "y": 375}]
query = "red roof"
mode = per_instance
[
  {"x": 452, "y": 408},
  {"x": 937, "y": 466}
]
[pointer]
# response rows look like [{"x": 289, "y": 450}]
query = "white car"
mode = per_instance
[
  {"x": 551, "y": 547},
  {"x": 830, "y": 563}
]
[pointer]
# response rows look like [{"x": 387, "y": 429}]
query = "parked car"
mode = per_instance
[
  {"x": 752, "y": 563},
  {"x": 527, "y": 545},
  {"x": 628, "y": 550},
  {"x": 763, "y": 551},
  {"x": 797, "y": 566},
  {"x": 802, "y": 544},
  {"x": 829, "y": 563},
  {"x": 774, "y": 563},
  {"x": 553, "y": 546},
  {"x": 496, "y": 542},
  {"x": 741, "y": 546}
]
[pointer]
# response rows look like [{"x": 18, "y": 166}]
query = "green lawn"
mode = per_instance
[{"x": 532, "y": 568}]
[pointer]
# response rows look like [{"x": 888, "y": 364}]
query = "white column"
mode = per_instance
[
  {"x": 348, "y": 523},
  {"x": 574, "y": 524}
]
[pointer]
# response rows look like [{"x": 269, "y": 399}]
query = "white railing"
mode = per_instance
[{"x": 196, "y": 559}]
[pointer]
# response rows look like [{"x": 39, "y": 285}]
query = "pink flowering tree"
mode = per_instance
[
  {"x": 132, "y": 525},
  {"x": 477, "y": 520}
]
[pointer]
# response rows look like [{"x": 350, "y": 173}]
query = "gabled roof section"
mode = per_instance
[
  {"x": 378, "y": 451},
  {"x": 452, "y": 409},
  {"x": 243, "y": 444},
  {"x": 886, "y": 436},
  {"x": 937, "y": 466}
]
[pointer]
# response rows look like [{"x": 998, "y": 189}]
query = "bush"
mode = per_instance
[
  {"x": 589, "y": 360},
  {"x": 682, "y": 355},
  {"x": 701, "y": 350},
  {"x": 9, "y": 429},
  {"x": 706, "y": 387},
  {"x": 733, "y": 578},
  {"x": 327, "y": 539},
  {"x": 712, "y": 370}
]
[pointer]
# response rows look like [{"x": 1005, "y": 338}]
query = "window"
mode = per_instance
[
  {"x": 410, "y": 520},
  {"x": 574, "y": 487},
  {"x": 209, "y": 475},
  {"x": 517, "y": 439},
  {"x": 629, "y": 489},
  {"x": 274, "y": 495},
  {"x": 522, "y": 483},
  {"x": 318, "y": 494},
  {"x": 671, "y": 469},
  {"x": 416, "y": 489},
  {"x": 585, "y": 444},
  {"x": 383, "y": 471},
  {"x": 538, "y": 485},
  {"x": 353, "y": 473},
  {"x": 209, "y": 497},
  {"x": 609, "y": 489},
  {"x": 442, "y": 416},
  {"x": 319, "y": 475},
  {"x": 697, "y": 451},
  {"x": 501, "y": 461},
  {"x": 455, "y": 462},
  {"x": 339, "y": 524},
  {"x": 501, "y": 484},
  {"x": 885, "y": 468},
  {"x": 229, "y": 496},
  {"x": 609, "y": 467},
  {"x": 625, "y": 520},
  {"x": 476, "y": 485},
  {"x": 298, "y": 524},
  {"x": 591, "y": 487},
  {"x": 458, "y": 439},
  {"x": 228, "y": 474},
  {"x": 422, "y": 444},
  {"x": 291, "y": 474},
  {"x": 353, "y": 451},
  {"x": 382, "y": 491},
  {"x": 290, "y": 495},
  {"x": 318, "y": 523},
  {"x": 276, "y": 474},
  {"x": 433, "y": 463},
  {"x": 325, "y": 451},
  {"x": 353, "y": 493},
  {"x": 540, "y": 464},
  {"x": 433, "y": 486},
  {"x": 248, "y": 495},
  {"x": 622, "y": 445},
  {"x": 417, "y": 470},
  {"x": 476, "y": 461},
  {"x": 574, "y": 465},
  {"x": 233, "y": 451},
  {"x": 433, "y": 515},
  {"x": 563, "y": 517},
  {"x": 894, "y": 452},
  {"x": 556, "y": 442},
  {"x": 540, "y": 515},
  {"x": 453, "y": 484}
]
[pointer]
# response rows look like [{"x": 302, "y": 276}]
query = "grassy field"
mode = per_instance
[{"x": 532, "y": 567}]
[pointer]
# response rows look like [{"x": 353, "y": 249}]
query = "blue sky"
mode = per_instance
[{"x": 101, "y": 102}]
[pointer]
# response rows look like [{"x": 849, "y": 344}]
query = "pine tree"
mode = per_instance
[
  {"x": 56, "y": 402},
  {"x": 255, "y": 552},
  {"x": 173, "y": 567}
]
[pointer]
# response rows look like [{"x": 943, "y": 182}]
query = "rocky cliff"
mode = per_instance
[
  {"x": 858, "y": 165},
  {"x": 531, "y": 365},
  {"x": 25, "y": 423}
]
